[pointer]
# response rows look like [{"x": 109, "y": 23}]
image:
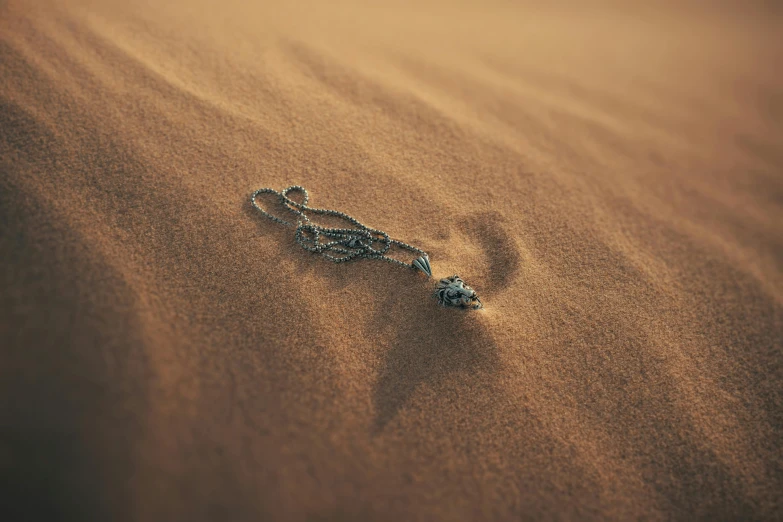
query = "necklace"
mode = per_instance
[{"x": 341, "y": 245}]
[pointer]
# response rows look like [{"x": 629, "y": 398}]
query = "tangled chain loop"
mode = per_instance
[{"x": 335, "y": 244}]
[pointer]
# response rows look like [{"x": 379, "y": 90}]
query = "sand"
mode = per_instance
[{"x": 608, "y": 177}]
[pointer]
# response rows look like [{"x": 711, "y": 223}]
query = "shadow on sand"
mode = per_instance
[{"x": 429, "y": 344}]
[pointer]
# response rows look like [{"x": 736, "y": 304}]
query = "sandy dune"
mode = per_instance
[{"x": 609, "y": 178}]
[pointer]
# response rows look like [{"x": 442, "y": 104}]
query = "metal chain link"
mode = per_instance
[{"x": 346, "y": 243}]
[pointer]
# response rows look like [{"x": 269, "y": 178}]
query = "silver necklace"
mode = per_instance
[{"x": 341, "y": 245}]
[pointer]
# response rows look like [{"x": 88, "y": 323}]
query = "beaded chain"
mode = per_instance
[{"x": 341, "y": 244}]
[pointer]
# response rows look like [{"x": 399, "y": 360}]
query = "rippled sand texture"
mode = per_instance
[{"x": 609, "y": 178}]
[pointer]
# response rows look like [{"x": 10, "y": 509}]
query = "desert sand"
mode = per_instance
[{"x": 607, "y": 176}]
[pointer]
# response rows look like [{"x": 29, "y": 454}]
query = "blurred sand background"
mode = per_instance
[{"x": 608, "y": 176}]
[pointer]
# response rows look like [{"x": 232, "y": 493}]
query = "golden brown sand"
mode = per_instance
[{"x": 608, "y": 177}]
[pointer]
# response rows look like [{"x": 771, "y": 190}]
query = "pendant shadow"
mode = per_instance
[{"x": 430, "y": 343}]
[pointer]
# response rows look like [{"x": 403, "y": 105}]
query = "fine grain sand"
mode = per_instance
[{"x": 609, "y": 177}]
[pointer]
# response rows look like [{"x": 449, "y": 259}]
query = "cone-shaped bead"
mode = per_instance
[{"x": 423, "y": 264}]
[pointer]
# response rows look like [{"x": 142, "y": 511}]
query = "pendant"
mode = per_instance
[
  {"x": 340, "y": 245},
  {"x": 450, "y": 291}
]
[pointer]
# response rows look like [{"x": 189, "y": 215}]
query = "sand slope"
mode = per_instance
[{"x": 609, "y": 178}]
